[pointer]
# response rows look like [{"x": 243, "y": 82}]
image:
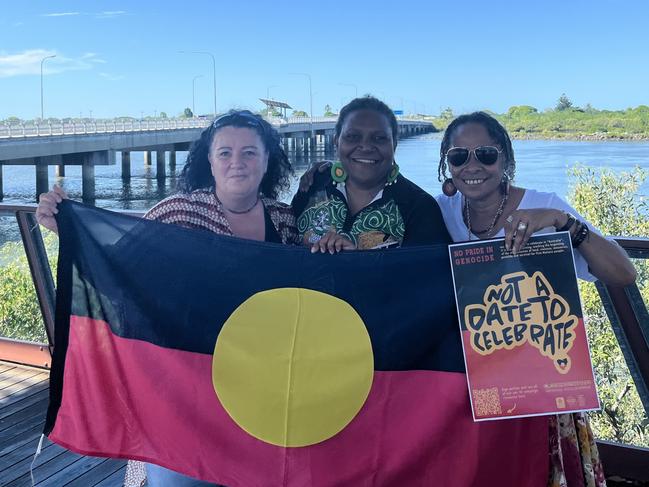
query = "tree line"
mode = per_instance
[{"x": 567, "y": 121}]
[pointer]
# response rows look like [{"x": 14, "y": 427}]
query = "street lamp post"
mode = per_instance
[
  {"x": 194, "y": 94},
  {"x": 213, "y": 71},
  {"x": 310, "y": 100},
  {"x": 42, "y": 61}
]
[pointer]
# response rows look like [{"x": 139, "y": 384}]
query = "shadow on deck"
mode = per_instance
[{"x": 23, "y": 404}]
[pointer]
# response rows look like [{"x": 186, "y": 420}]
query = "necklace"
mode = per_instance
[
  {"x": 499, "y": 211},
  {"x": 237, "y": 212}
]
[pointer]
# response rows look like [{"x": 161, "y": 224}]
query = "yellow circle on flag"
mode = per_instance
[{"x": 292, "y": 366}]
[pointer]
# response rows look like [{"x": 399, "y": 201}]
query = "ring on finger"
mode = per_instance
[
  {"x": 509, "y": 219},
  {"x": 522, "y": 226}
]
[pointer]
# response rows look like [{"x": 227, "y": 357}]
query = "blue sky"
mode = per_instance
[{"x": 121, "y": 58}]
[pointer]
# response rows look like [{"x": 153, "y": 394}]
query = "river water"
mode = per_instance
[{"x": 542, "y": 164}]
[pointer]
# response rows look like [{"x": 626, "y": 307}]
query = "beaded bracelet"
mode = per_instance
[
  {"x": 571, "y": 221},
  {"x": 580, "y": 235}
]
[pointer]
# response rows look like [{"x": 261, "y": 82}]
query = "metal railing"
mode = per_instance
[
  {"x": 629, "y": 319},
  {"x": 97, "y": 127},
  {"x": 27, "y": 130},
  {"x": 20, "y": 351},
  {"x": 290, "y": 120},
  {"x": 625, "y": 308}
]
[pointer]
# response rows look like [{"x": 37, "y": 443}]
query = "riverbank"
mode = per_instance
[
  {"x": 527, "y": 133},
  {"x": 526, "y": 122},
  {"x": 585, "y": 137},
  {"x": 572, "y": 136}
]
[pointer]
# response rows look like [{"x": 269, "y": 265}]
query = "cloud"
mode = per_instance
[
  {"x": 91, "y": 57},
  {"x": 112, "y": 77},
  {"x": 61, "y": 14},
  {"x": 106, "y": 14},
  {"x": 110, "y": 14},
  {"x": 29, "y": 63}
]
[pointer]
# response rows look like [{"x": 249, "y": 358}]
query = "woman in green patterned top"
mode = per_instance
[{"x": 363, "y": 202}]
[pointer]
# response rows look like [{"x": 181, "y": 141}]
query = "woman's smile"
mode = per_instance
[
  {"x": 366, "y": 148},
  {"x": 364, "y": 160},
  {"x": 474, "y": 181}
]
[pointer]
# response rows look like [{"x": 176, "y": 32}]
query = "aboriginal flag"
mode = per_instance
[{"x": 253, "y": 364}]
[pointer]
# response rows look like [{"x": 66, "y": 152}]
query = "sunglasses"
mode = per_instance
[
  {"x": 486, "y": 154},
  {"x": 240, "y": 118}
]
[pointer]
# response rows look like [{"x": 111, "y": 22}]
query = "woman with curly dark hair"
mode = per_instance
[
  {"x": 229, "y": 185},
  {"x": 197, "y": 175},
  {"x": 234, "y": 172}
]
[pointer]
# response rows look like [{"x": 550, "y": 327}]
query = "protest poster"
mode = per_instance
[{"x": 523, "y": 333}]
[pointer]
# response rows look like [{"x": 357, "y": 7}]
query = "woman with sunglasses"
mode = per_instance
[
  {"x": 479, "y": 202},
  {"x": 229, "y": 185},
  {"x": 363, "y": 201}
]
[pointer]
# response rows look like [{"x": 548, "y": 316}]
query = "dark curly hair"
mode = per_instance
[
  {"x": 368, "y": 102},
  {"x": 495, "y": 130},
  {"x": 197, "y": 174}
]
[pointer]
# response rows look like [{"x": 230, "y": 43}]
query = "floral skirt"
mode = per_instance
[{"x": 574, "y": 459}]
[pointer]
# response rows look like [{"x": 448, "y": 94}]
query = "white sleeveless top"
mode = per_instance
[{"x": 452, "y": 212}]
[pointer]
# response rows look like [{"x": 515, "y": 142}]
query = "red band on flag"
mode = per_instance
[{"x": 112, "y": 407}]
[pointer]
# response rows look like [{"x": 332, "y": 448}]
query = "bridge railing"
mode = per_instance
[
  {"x": 26, "y": 130},
  {"x": 625, "y": 307},
  {"x": 14, "y": 131},
  {"x": 296, "y": 120}
]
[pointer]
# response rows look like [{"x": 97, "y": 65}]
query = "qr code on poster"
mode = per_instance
[{"x": 486, "y": 402}]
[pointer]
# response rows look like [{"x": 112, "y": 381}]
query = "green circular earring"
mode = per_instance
[
  {"x": 392, "y": 176},
  {"x": 338, "y": 173}
]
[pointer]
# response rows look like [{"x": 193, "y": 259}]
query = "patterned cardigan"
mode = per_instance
[{"x": 201, "y": 209}]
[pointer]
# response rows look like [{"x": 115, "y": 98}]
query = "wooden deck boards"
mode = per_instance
[{"x": 23, "y": 404}]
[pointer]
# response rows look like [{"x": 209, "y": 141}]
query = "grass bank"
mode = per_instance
[{"x": 526, "y": 122}]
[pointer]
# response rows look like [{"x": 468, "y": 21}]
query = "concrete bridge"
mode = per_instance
[{"x": 93, "y": 144}]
